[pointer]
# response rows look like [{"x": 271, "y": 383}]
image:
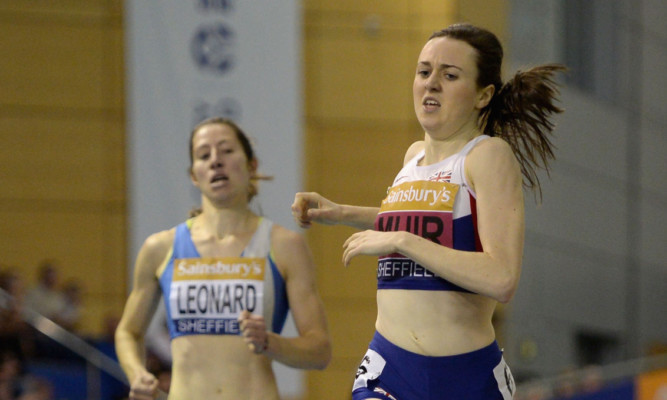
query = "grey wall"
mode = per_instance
[
  {"x": 595, "y": 250},
  {"x": 189, "y": 60}
]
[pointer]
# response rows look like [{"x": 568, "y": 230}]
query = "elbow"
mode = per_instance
[
  {"x": 119, "y": 335},
  {"x": 323, "y": 364},
  {"x": 314, "y": 352},
  {"x": 506, "y": 289},
  {"x": 122, "y": 333},
  {"x": 506, "y": 280},
  {"x": 125, "y": 337},
  {"x": 505, "y": 297},
  {"x": 324, "y": 357}
]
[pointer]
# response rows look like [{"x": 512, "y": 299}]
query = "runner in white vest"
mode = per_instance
[{"x": 449, "y": 234}]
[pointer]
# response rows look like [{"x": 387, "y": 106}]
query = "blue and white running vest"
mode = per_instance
[
  {"x": 435, "y": 202},
  {"x": 205, "y": 295}
]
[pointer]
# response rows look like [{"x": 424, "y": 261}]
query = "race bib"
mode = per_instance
[
  {"x": 208, "y": 294},
  {"x": 423, "y": 208}
]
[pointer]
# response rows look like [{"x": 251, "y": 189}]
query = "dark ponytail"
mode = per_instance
[{"x": 520, "y": 113}]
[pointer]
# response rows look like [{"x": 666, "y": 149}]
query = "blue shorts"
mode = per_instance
[{"x": 392, "y": 373}]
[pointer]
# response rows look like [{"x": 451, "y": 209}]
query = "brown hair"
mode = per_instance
[
  {"x": 247, "y": 149},
  {"x": 520, "y": 109}
]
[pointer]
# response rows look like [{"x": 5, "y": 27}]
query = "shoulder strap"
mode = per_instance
[
  {"x": 469, "y": 146},
  {"x": 260, "y": 243},
  {"x": 183, "y": 245}
]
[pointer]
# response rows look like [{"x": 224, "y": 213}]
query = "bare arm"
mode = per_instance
[
  {"x": 312, "y": 348},
  {"x": 309, "y": 207},
  {"x": 138, "y": 312},
  {"x": 494, "y": 173}
]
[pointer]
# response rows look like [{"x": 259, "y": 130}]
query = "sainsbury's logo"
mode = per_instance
[
  {"x": 430, "y": 196},
  {"x": 230, "y": 267},
  {"x": 418, "y": 195}
]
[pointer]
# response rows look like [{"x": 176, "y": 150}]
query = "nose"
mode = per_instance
[
  {"x": 216, "y": 159},
  {"x": 432, "y": 83}
]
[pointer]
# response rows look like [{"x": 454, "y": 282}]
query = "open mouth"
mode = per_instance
[
  {"x": 219, "y": 178},
  {"x": 431, "y": 103}
]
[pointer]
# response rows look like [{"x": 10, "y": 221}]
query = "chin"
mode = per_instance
[{"x": 428, "y": 126}]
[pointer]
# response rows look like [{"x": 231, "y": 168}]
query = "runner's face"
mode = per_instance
[
  {"x": 220, "y": 168},
  {"x": 445, "y": 92}
]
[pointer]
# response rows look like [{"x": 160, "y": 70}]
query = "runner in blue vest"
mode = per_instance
[{"x": 227, "y": 277}]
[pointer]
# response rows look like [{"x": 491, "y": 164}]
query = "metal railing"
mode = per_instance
[
  {"x": 605, "y": 375},
  {"x": 95, "y": 360}
]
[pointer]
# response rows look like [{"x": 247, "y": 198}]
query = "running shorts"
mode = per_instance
[{"x": 389, "y": 372}]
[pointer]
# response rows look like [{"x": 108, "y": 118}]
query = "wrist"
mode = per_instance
[
  {"x": 136, "y": 373},
  {"x": 401, "y": 242},
  {"x": 264, "y": 346},
  {"x": 342, "y": 215}
]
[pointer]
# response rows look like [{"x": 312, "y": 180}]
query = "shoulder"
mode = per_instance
[
  {"x": 290, "y": 249},
  {"x": 160, "y": 241},
  {"x": 413, "y": 150},
  {"x": 156, "y": 247},
  {"x": 493, "y": 144},
  {"x": 490, "y": 150},
  {"x": 284, "y": 240},
  {"x": 489, "y": 158}
]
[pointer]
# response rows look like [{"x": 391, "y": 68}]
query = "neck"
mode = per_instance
[
  {"x": 224, "y": 221},
  {"x": 436, "y": 150}
]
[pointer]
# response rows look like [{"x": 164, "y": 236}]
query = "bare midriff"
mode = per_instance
[
  {"x": 435, "y": 323},
  {"x": 219, "y": 367}
]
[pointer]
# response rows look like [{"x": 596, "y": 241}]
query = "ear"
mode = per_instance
[
  {"x": 252, "y": 166},
  {"x": 484, "y": 96}
]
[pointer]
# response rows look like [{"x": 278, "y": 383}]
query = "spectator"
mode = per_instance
[
  {"x": 36, "y": 388},
  {"x": 45, "y": 297},
  {"x": 592, "y": 379},
  {"x": 70, "y": 316},
  {"x": 10, "y": 374},
  {"x": 535, "y": 391},
  {"x": 566, "y": 385},
  {"x": 15, "y": 384},
  {"x": 15, "y": 334}
]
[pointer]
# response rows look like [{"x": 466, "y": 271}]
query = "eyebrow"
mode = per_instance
[
  {"x": 442, "y": 66},
  {"x": 221, "y": 142}
]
